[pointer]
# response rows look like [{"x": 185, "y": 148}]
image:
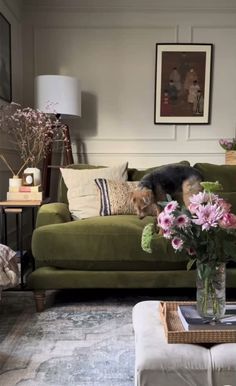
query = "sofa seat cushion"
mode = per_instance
[{"x": 110, "y": 243}]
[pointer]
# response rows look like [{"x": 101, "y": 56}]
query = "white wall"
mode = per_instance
[{"x": 110, "y": 47}]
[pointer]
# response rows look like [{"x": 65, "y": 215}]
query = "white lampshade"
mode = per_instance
[{"x": 58, "y": 94}]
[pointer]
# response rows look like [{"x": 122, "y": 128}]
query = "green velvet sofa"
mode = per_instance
[{"x": 105, "y": 251}]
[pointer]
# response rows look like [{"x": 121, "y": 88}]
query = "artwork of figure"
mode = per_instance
[
  {"x": 175, "y": 76},
  {"x": 198, "y": 104},
  {"x": 191, "y": 76},
  {"x": 172, "y": 91},
  {"x": 192, "y": 92},
  {"x": 165, "y": 104}
]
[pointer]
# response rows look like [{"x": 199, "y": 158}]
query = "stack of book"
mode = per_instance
[
  {"x": 25, "y": 193},
  {"x": 191, "y": 320}
]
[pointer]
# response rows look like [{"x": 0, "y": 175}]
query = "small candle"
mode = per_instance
[{"x": 15, "y": 182}]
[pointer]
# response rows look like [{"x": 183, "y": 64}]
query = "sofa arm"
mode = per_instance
[{"x": 53, "y": 213}]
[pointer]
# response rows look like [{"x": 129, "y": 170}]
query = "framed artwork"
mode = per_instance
[
  {"x": 183, "y": 75},
  {"x": 5, "y": 60}
]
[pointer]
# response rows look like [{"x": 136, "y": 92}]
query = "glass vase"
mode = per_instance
[{"x": 211, "y": 290}]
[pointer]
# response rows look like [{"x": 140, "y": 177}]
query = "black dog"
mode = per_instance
[{"x": 169, "y": 179}]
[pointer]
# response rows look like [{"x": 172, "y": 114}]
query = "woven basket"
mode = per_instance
[
  {"x": 230, "y": 157},
  {"x": 175, "y": 332}
]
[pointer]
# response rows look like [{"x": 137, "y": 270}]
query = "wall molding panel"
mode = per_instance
[
  {"x": 143, "y": 161},
  {"x": 114, "y": 57}
]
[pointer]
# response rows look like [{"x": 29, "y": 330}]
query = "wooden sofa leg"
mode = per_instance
[{"x": 40, "y": 298}]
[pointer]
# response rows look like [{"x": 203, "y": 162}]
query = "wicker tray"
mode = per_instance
[{"x": 175, "y": 332}]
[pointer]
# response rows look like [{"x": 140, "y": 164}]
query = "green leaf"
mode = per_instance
[
  {"x": 209, "y": 186},
  {"x": 190, "y": 264},
  {"x": 147, "y": 236}
]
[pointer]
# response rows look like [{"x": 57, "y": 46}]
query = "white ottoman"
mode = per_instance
[{"x": 158, "y": 363}]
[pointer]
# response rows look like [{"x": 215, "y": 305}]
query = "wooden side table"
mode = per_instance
[{"x": 18, "y": 208}]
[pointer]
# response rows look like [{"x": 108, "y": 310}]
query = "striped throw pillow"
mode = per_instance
[{"x": 115, "y": 196}]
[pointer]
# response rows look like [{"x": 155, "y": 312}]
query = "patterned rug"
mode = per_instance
[
  {"x": 80, "y": 344},
  {"x": 81, "y": 339}
]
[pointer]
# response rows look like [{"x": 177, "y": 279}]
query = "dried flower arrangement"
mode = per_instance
[{"x": 31, "y": 131}]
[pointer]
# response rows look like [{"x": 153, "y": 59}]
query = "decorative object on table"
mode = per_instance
[
  {"x": 60, "y": 95},
  {"x": 35, "y": 174},
  {"x": 15, "y": 183},
  {"x": 192, "y": 321},
  {"x": 18, "y": 191},
  {"x": 31, "y": 131},
  {"x": 28, "y": 179},
  {"x": 32, "y": 188},
  {"x": 24, "y": 196},
  {"x": 183, "y": 83},
  {"x": 175, "y": 332},
  {"x": 230, "y": 146},
  {"x": 206, "y": 231}
]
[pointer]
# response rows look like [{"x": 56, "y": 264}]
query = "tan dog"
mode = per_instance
[
  {"x": 189, "y": 187},
  {"x": 143, "y": 201}
]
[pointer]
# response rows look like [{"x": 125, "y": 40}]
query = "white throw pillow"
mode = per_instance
[{"x": 82, "y": 194}]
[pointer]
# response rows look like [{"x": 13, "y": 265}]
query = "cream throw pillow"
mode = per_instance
[{"x": 82, "y": 194}]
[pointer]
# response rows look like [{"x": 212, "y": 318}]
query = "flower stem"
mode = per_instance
[{"x": 7, "y": 164}]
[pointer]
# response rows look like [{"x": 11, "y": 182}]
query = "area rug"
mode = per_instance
[
  {"x": 83, "y": 338},
  {"x": 82, "y": 344}
]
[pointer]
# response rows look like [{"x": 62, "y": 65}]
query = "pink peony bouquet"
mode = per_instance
[{"x": 205, "y": 230}]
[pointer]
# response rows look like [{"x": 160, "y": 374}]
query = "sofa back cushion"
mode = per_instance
[
  {"x": 137, "y": 175},
  {"x": 225, "y": 174}
]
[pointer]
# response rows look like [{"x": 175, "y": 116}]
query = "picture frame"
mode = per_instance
[
  {"x": 5, "y": 60},
  {"x": 183, "y": 78}
]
